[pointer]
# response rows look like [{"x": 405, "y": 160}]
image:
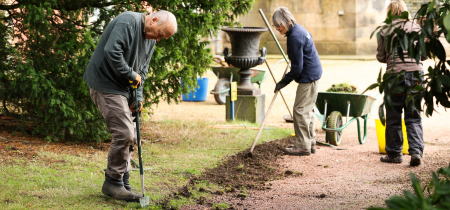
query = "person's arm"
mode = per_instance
[
  {"x": 143, "y": 74},
  {"x": 381, "y": 53},
  {"x": 119, "y": 42},
  {"x": 296, "y": 56}
]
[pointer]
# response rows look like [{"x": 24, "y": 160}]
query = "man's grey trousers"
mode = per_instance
[
  {"x": 413, "y": 121},
  {"x": 119, "y": 121},
  {"x": 304, "y": 116}
]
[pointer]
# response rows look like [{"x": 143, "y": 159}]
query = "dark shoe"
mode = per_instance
[
  {"x": 415, "y": 160},
  {"x": 126, "y": 183},
  {"x": 297, "y": 151},
  {"x": 313, "y": 147},
  {"x": 115, "y": 188},
  {"x": 388, "y": 159}
]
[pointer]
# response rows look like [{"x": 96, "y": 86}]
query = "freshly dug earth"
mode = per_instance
[
  {"x": 251, "y": 171},
  {"x": 242, "y": 171}
]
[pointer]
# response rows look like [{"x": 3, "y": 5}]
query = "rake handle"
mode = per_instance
[
  {"x": 267, "y": 114},
  {"x": 273, "y": 77}
]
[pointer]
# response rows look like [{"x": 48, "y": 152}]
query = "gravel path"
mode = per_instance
[{"x": 332, "y": 179}]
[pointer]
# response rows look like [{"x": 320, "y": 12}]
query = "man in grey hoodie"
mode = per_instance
[{"x": 122, "y": 55}]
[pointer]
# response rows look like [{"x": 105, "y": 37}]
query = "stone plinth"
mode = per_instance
[{"x": 247, "y": 108}]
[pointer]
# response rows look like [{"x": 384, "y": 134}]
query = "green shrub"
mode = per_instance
[
  {"x": 438, "y": 190},
  {"x": 43, "y": 60}
]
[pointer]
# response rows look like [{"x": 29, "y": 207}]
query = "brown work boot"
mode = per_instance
[
  {"x": 115, "y": 188},
  {"x": 297, "y": 151},
  {"x": 392, "y": 159},
  {"x": 313, "y": 147}
]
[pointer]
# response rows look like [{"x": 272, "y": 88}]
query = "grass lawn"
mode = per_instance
[{"x": 173, "y": 151}]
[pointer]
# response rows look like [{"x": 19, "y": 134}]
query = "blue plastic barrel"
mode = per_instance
[{"x": 200, "y": 92}]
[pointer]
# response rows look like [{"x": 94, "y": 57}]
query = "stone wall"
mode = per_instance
[{"x": 333, "y": 34}]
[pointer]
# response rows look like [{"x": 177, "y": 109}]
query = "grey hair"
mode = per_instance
[
  {"x": 283, "y": 16},
  {"x": 166, "y": 17}
]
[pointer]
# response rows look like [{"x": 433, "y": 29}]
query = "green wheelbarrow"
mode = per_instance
[
  {"x": 336, "y": 105},
  {"x": 222, "y": 87}
]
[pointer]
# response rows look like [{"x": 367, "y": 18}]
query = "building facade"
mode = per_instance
[{"x": 338, "y": 27}]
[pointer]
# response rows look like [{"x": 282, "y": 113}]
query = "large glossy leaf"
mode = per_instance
[
  {"x": 394, "y": 47},
  {"x": 428, "y": 28},
  {"x": 438, "y": 85},
  {"x": 371, "y": 87},
  {"x": 431, "y": 6},
  {"x": 388, "y": 100},
  {"x": 446, "y": 22},
  {"x": 397, "y": 202},
  {"x": 418, "y": 88},
  {"x": 418, "y": 51},
  {"x": 440, "y": 51},
  {"x": 398, "y": 90},
  {"x": 381, "y": 114},
  {"x": 404, "y": 40},
  {"x": 379, "y": 76}
]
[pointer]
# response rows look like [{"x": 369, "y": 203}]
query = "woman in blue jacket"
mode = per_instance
[{"x": 306, "y": 70}]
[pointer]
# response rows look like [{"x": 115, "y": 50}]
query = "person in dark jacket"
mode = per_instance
[
  {"x": 122, "y": 55},
  {"x": 306, "y": 70},
  {"x": 413, "y": 120}
]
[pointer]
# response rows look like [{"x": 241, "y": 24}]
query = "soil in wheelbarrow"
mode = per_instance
[{"x": 342, "y": 88}]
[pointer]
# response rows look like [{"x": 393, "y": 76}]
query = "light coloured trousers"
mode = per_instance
[
  {"x": 119, "y": 121},
  {"x": 304, "y": 118}
]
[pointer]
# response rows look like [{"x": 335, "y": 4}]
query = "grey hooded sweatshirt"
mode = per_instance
[{"x": 121, "y": 53}]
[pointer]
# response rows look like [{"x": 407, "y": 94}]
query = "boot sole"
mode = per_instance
[
  {"x": 298, "y": 154},
  {"x": 312, "y": 150},
  {"x": 109, "y": 194},
  {"x": 127, "y": 200},
  {"x": 391, "y": 161}
]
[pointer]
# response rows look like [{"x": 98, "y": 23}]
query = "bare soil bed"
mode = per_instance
[{"x": 250, "y": 171}]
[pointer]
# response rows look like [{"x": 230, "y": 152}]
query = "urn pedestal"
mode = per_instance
[{"x": 247, "y": 108}]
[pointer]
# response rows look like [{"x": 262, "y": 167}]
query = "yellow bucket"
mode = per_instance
[{"x": 382, "y": 138}]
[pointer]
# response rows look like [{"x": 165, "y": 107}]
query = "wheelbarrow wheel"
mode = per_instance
[
  {"x": 222, "y": 84},
  {"x": 334, "y": 121}
]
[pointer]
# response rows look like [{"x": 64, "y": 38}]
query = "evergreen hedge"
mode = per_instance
[{"x": 46, "y": 46}]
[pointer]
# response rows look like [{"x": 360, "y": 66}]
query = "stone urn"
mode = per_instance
[{"x": 244, "y": 47}]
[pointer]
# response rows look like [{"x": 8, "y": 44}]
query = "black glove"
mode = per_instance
[
  {"x": 134, "y": 108},
  {"x": 280, "y": 85},
  {"x": 132, "y": 103}
]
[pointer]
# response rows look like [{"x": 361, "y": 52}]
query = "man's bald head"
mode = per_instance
[
  {"x": 166, "y": 19},
  {"x": 160, "y": 25}
]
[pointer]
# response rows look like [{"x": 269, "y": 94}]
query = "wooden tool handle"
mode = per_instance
[{"x": 267, "y": 114}]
